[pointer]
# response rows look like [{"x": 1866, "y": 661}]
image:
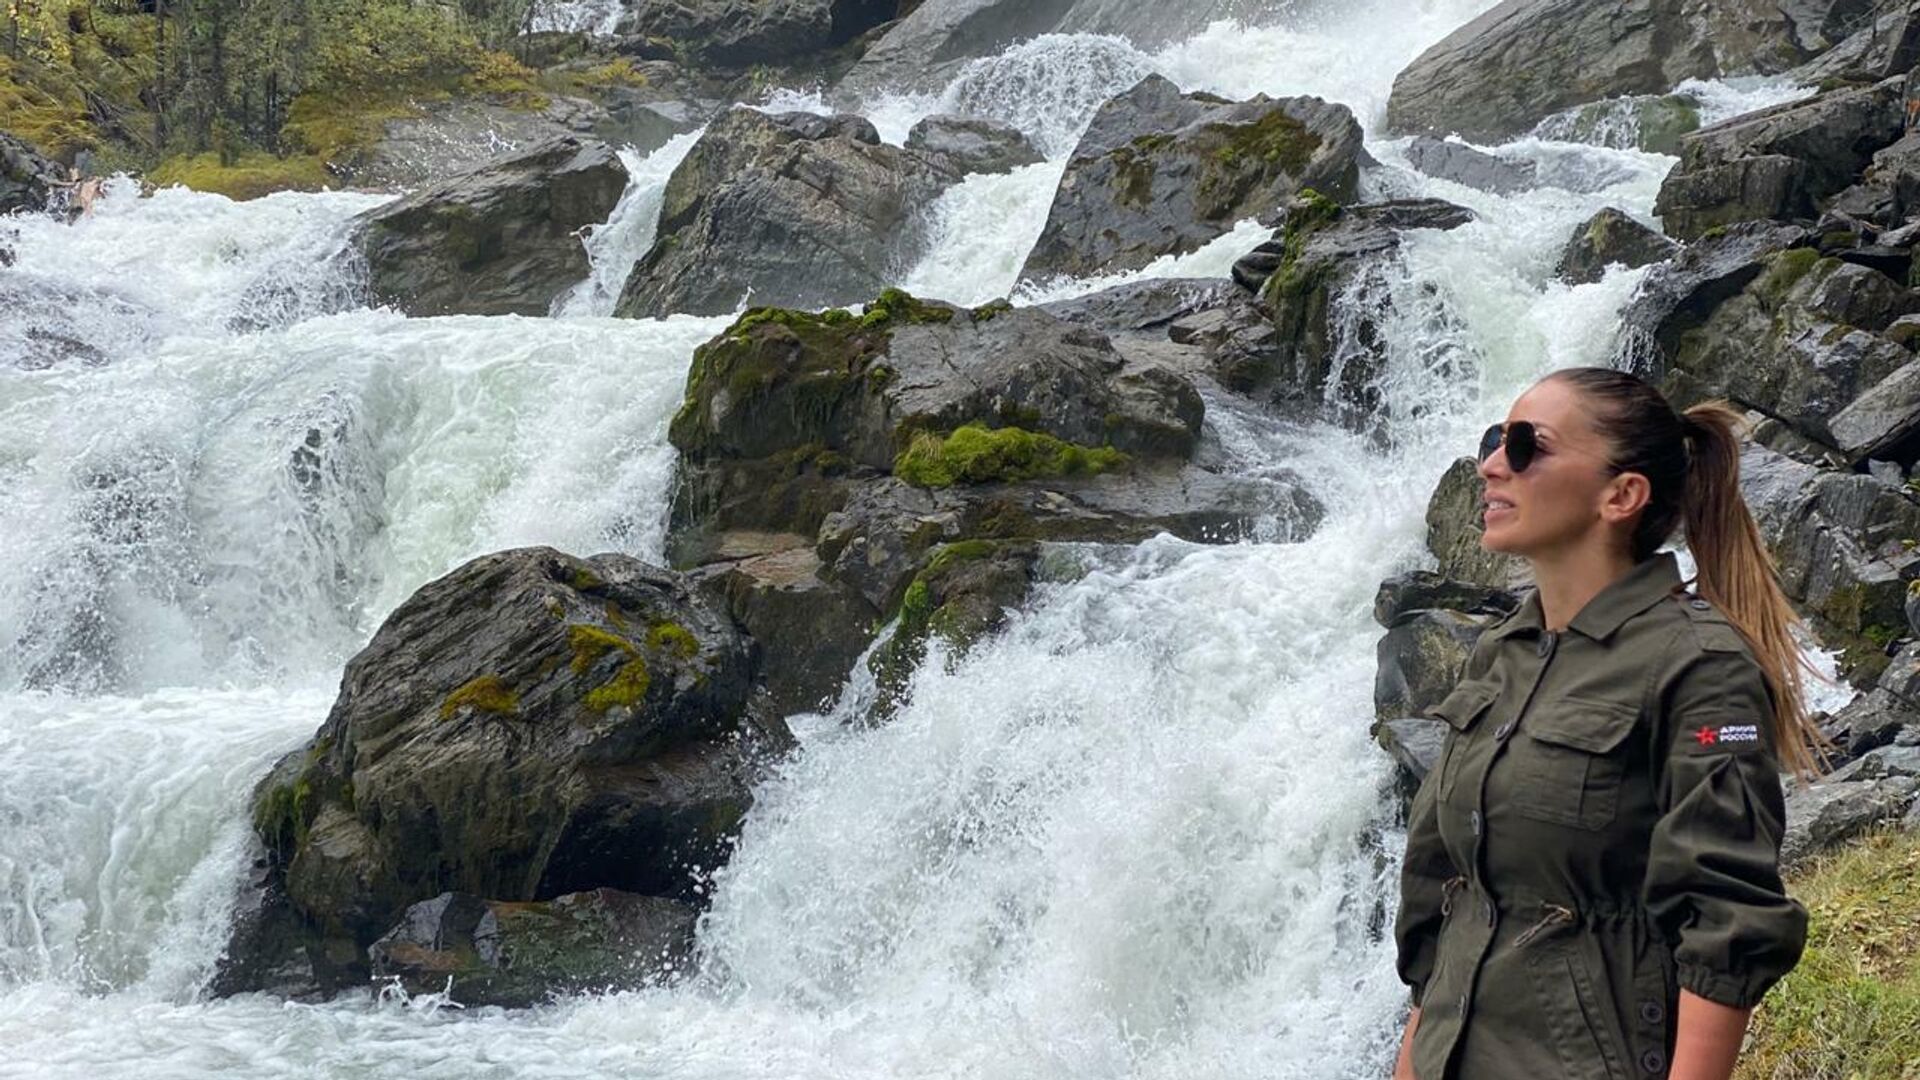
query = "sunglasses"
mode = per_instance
[{"x": 1521, "y": 441}]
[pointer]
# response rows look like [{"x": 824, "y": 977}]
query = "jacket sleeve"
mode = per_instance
[
  {"x": 1713, "y": 875},
  {"x": 1424, "y": 873}
]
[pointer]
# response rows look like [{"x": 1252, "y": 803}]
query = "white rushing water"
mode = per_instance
[{"x": 1144, "y": 833}]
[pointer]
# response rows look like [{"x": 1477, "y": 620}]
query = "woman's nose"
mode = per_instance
[{"x": 1494, "y": 465}]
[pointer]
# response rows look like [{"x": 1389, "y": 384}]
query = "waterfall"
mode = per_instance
[{"x": 1142, "y": 833}]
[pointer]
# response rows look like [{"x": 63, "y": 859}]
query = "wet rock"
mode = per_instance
[
  {"x": 459, "y": 135},
  {"x": 1413, "y": 743},
  {"x": 1154, "y": 304},
  {"x": 1652, "y": 122},
  {"x": 827, "y": 457},
  {"x": 1887, "y": 45},
  {"x": 1462, "y": 164},
  {"x": 499, "y": 240},
  {"x": 1455, "y": 521},
  {"x": 1808, "y": 353},
  {"x": 1421, "y": 657},
  {"x": 28, "y": 181},
  {"x": 1878, "y": 764},
  {"x": 966, "y": 145},
  {"x": 1321, "y": 254},
  {"x": 1524, "y": 60},
  {"x": 741, "y": 33},
  {"x": 528, "y": 726},
  {"x": 792, "y": 209},
  {"x": 1778, "y": 163},
  {"x": 1823, "y": 816},
  {"x": 1888, "y": 194},
  {"x": 1836, "y": 538},
  {"x": 1162, "y": 173},
  {"x": 810, "y": 627},
  {"x": 517, "y": 955},
  {"x": 1869, "y": 722},
  {"x": 1425, "y": 590},
  {"x": 963, "y": 595},
  {"x": 1610, "y": 238},
  {"x": 1236, "y": 339},
  {"x": 1680, "y": 295}
]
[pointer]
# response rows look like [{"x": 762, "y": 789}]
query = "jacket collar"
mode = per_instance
[{"x": 1650, "y": 581}]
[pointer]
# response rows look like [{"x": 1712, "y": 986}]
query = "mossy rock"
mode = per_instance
[
  {"x": 960, "y": 597},
  {"x": 976, "y": 454}
]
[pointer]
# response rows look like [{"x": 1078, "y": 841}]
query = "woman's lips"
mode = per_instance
[{"x": 1496, "y": 509}]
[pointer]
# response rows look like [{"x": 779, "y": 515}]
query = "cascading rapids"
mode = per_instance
[{"x": 1141, "y": 834}]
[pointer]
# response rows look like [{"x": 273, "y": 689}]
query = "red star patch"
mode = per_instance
[{"x": 1706, "y": 736}]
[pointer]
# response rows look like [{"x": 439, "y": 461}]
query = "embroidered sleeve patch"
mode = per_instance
[{"x": 1721, "y": 738}]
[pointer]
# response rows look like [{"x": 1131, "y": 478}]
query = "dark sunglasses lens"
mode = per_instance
[
  {"x": 1489, "y": 442},
  {"x": 1520, "y": 445}
]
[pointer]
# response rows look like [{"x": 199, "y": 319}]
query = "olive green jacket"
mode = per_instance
[{"x": 1602, "y": 829}]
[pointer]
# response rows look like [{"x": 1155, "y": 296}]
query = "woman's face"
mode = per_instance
[{"x": 1559, "y": 502}]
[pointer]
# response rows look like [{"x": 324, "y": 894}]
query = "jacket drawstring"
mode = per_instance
[{"x": 1555, "y": 916}]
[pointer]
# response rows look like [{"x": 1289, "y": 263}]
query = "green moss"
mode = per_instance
[
  {"x": 1881, "y": 636},
  {"x": 248, "y": 176},
  {"x": 1309, "y": 212},
  {"x": 989, "y": 311},
  {"x": 1852, "y": 1005},
  {"x": 896, "y": 307},
  {"x": 1133, "y": 174},
  {"x": 1714, "y": 233},
  {"x": 1839, "y": 238},
  {"x": 975, "y": 454},
  {"x": 627, "y": 688},
  {"x": 1788, "y": 269},
  {"x": 960, "y": 551},
  {"x": 589, "y": 643},
  {"x": 673, "y": 639},
  {"x": 585, "y": 580},
  {"x": 487, "y": 694},
  {"x": 1276, "y": 141}
]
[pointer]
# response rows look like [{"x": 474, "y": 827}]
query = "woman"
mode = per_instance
[{"x": 1591, "y": 888}]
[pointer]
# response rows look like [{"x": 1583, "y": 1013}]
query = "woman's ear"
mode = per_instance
[{"x": 1625, "y": 497}]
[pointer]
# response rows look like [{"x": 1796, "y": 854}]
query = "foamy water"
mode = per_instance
[{"x": 1142, "y": 833}]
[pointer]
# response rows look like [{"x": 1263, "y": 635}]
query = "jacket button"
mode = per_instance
[
  {"x": 1486, "y": 908},
  {"x": 1700, "y": 605},
  {"x": 1652, "y": 1012},
  {"x": 1463, "y": 1004},
  {"x": 1503, "y": 730},
  {"x": 1546, "y": 644},
  {"x": 1474, "y": 820},
  {"x": 1653, "y": 1061}
]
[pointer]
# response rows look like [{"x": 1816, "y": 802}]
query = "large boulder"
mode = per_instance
[
  {"x": 1886, "y": 44},
  {"x": 1802, "y": 342},
  {"x": 1162, "y": 173},
  {"x": 825, "y": 456},
  {"x": 517, "y": 955},
  {"x": 1824, "y": 816},
  {"x": 1781, "y": 163},
  {"x": 965, "y": 145},
  {"x": 439, "y": 140},
  {"x": 1523, "y": 60},
  {"x": 741, "y": 33},
  {"x": 498, "y": 240},
  {"x": 1836, "y": 538},
  {"x": 28, "y": 181},
  {"x": 528, "y": 726},
  {"x": 792, "y": 209},
  {"x": 1455, "y": 521},
  {"x": 1316, "y": 257},
  {"x": 1462, "y": 164},
  {"x": 1611, "y": 238}
]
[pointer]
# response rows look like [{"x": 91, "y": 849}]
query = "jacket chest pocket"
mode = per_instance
[
  {"x": 1460, "y": 709},
  {"x": 1567, "y": 765}
]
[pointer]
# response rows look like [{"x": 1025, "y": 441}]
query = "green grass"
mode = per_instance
[{"x": 1851, "y": 1009}]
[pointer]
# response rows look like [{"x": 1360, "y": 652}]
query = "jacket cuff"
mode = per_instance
[{"x": 1721, "y": 987}]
